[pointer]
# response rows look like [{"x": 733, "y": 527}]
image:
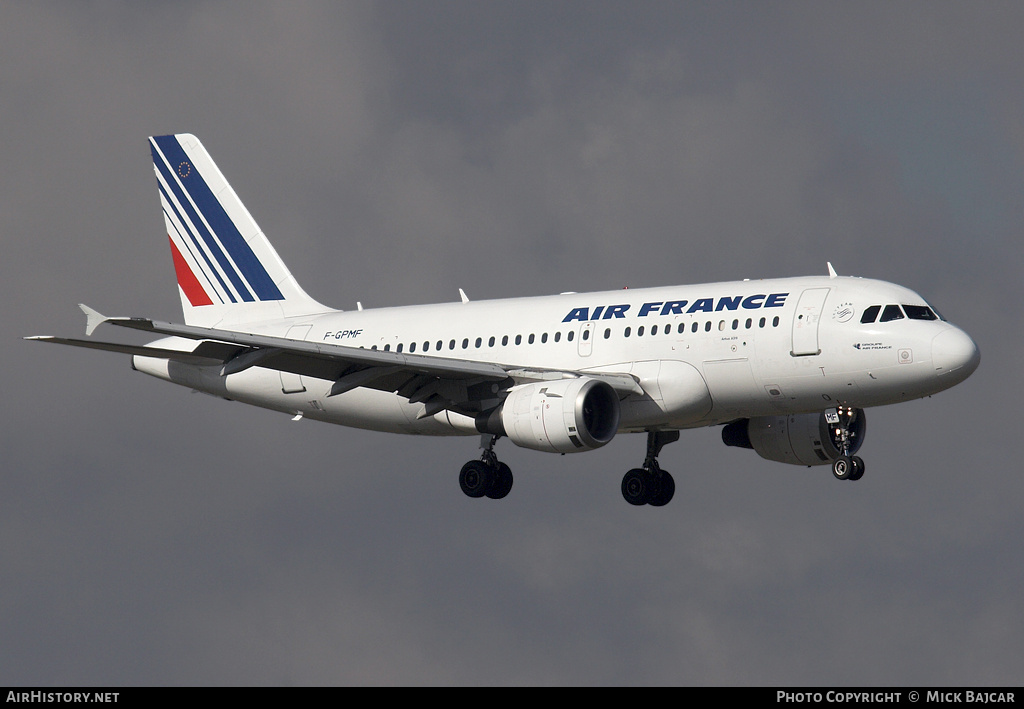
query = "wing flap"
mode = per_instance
[{"x": 142, "y": 351}]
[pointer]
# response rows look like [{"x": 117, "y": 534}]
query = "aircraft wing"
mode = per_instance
[
  {"x": 176, "y": 355},
  {"x": 467, "y": 386}
]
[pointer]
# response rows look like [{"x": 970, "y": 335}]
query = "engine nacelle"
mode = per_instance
[
  {"x": 561, "y": 416},
  {"x": 798, "y": 439}
]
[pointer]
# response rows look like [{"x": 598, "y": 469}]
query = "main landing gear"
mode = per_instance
[
  {"x": 846, "y": 466},
  {"x": 487, "y": 477},
  {"x": 650, "y": 485}
]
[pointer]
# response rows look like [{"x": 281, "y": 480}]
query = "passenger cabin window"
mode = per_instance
[
  {"x": 870, "y": 314},
  {"x": 891, "y": 312}
]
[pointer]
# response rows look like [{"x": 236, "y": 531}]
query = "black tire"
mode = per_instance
[
  {"x": 502, "y": 482},
  {"x": 476, "y": 478},
  {"x": 843, "y": 467},
  {"x": 639, "y": 486},
  {"x": 858, "y": 468},
  {"x": 667, "y": 490}
]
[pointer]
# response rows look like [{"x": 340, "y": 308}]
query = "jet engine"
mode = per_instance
[
  {"x": 561, "y": 416},
  {"x": 798, "y": 439}
]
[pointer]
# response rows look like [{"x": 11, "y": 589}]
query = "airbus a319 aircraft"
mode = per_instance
[{"x": 785, "y": 366}]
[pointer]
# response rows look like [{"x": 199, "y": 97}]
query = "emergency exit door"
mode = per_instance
[{"x": 292, "y": 383}]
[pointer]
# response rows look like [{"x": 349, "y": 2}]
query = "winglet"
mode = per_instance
[
  {"x": 93, "y": 318},
  {"x": 462, "y": 294},
  {"x": 831, "y": 271}
]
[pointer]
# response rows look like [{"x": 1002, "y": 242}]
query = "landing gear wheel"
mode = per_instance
[
  {"x": 650, "y": 485},
  {"x": 858, "y": 468},
  {"x": 487, "y": 476},
  {"x": 476, "y": 478},
  {"x": 666, "y": 491},
  {"x": 843, "y": 467},
  {"x": 502, "y": 483},
  {"x": 637, "y": 486}
]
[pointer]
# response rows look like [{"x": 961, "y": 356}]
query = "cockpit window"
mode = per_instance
[
  {"x": 919, "y": 312},
  {"x": 891, "y": 312},
  {"x": 870, "y": 314}
]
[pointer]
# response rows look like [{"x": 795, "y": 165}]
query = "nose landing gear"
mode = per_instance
[{"x": 846, "y": 466}]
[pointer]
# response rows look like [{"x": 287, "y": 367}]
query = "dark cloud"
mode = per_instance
[{"x": 397, "y": 152}]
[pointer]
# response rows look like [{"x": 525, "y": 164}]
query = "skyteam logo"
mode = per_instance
[
  {"x": 212, "y": 260},
  {"x": 679, "y": 307}
]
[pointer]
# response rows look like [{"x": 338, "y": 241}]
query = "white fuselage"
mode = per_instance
[{"x": 703, "y": 354}]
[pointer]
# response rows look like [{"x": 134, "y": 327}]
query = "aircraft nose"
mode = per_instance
[{"x": 954, "y": 352}]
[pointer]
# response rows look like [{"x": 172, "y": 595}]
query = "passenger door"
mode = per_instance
[{"x": 805, "y": 322}]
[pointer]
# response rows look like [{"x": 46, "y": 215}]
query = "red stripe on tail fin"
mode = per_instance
[{"x": 187, "y": 280}]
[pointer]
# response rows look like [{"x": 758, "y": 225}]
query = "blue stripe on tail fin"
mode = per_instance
[{"x": 225, "y": 265}]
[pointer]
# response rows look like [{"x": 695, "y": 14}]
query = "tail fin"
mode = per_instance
[{"x": 227, "y": 270}]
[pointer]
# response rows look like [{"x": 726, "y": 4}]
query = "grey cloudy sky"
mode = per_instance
[{"x": 396, "y": 151}]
